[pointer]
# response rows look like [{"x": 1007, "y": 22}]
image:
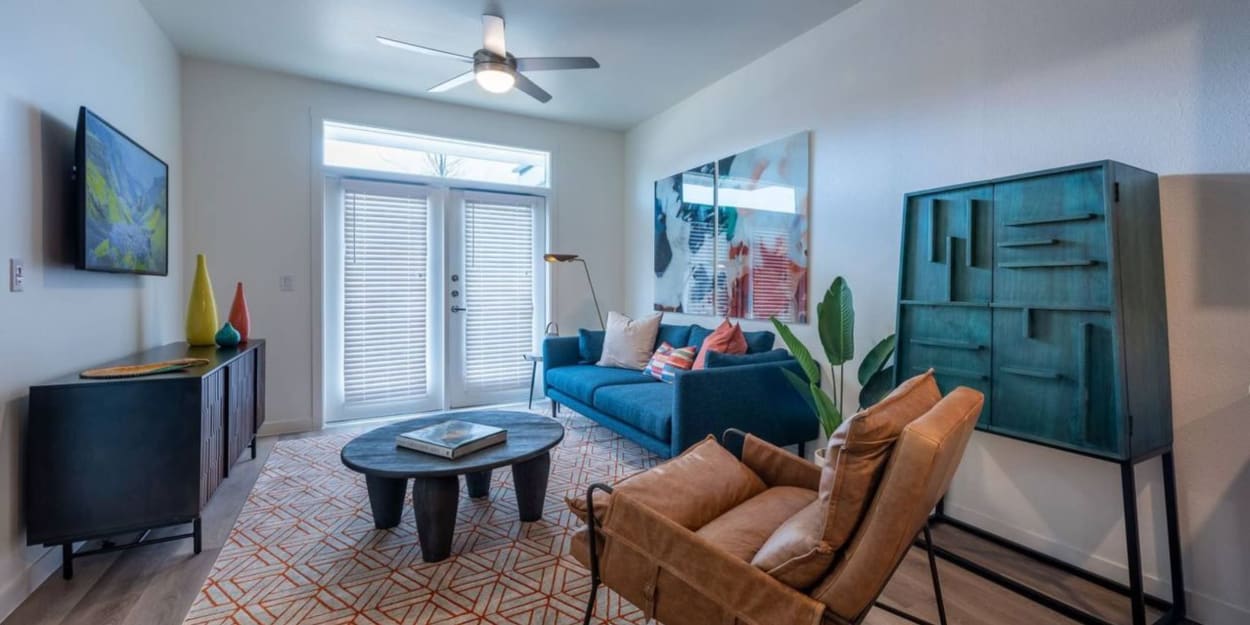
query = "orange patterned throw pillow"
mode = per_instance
[
  {"x": 726, "y": 339},
  {"x": 668, "y": 360}
]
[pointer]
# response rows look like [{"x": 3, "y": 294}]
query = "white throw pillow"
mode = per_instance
[{"x": 629, "y": 343}]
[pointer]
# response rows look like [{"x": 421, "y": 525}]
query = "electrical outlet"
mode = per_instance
[
  {"x": 286, "y": 283},
  {"x": 17, "y": 275}
]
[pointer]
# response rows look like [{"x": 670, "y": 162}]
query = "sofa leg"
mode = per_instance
[
  {"x": 803, "y": 450},
  {"x": 555, "y": 409}
]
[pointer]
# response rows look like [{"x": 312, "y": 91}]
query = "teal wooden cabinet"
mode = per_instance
[{"x": 1044, "y": 291}]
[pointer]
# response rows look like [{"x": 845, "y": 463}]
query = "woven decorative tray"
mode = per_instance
[{"x": 151, "y": 368}]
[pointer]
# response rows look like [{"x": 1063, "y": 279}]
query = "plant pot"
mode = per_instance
[{"x": 820, "y": 458}]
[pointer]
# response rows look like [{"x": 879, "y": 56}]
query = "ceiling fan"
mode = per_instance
[{"x": 494, "y": 68}]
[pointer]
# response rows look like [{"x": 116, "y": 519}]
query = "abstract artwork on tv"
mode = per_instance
[
  {"x": 731, "y": 237},
  {"x": 123, "y": 221}
]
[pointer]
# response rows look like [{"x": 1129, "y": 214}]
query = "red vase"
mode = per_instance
[{"x": 239, "y": 317}]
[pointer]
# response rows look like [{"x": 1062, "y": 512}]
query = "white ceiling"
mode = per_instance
[{"x": 654, "y": 53}]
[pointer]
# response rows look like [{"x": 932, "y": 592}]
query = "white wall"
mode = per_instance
[
  {"x": 904, "y": 96},
  {"x": 252, "y": 188},
  {"x": 54, "y": 57}
]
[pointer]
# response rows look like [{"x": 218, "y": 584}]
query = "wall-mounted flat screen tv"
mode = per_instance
[{"x": 123, "y": 202}]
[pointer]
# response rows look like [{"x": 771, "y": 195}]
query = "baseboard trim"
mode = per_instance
[
  {"x": 277, "y": 428},
  {"x": 1203, "y": 608},
  {"x": 17, "y": 590}
]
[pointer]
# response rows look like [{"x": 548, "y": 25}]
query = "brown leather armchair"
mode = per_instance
[{"x": 682, "y": 552}]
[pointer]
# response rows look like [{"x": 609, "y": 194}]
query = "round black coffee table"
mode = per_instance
[{"x": 435, "y": 481}]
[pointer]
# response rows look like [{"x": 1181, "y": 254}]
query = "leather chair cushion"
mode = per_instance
[
  {"x": 691, "y": 490},
  {"x": 805, "y": 547},
  {"x": 743, "y": 529}
]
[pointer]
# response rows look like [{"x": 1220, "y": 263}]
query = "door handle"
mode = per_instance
[{"x": 455, "y": 308}]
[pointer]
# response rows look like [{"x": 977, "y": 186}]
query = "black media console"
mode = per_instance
[{"x": 106, "y": 458}]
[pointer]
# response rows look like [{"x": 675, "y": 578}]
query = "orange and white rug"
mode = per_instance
[{"x": 304, "y": 549}]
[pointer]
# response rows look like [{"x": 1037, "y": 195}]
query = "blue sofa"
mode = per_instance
[{"x": 666, "y": 418}]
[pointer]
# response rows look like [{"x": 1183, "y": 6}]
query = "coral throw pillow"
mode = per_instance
[
  {"x": 668, "y": 360},
  {"x": 726, "y": 339}
]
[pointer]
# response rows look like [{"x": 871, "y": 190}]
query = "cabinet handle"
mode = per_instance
[
  {"x": 1029, "y": 243},
  {"x": 1050, "y": 264},
  {"x": 969, "y": 257},
  {"x": 1082, "y": 381},
  {"x": 955, "y": 373},
  {"x": 950, "y": 269},
  {"x": 933, "y": 230},
  {"x": 972, "y": 347},
  {"x": 1041, "y": 374},
  {"x": 1056, "y": 219}
]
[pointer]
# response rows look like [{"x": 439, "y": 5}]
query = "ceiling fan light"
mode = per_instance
[{"x": 494, "y": 80}]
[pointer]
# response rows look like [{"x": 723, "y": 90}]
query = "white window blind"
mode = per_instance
[
  {"x": 499, "y": 261},
  {"x": 385, "y": 286}
]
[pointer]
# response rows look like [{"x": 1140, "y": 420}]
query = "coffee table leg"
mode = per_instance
[
  {"x": 386, "y": 498},
  {"x": 434, "y": 502},
  {"x": 478, "y": 483},
  {"x": 530, "y": 478}
]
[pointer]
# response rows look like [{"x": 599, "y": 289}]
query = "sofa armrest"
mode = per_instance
[
  {"x": 648, "y": 557},
  {"x": 751, "y": 398},
  {"x": 559, "y": 351}
]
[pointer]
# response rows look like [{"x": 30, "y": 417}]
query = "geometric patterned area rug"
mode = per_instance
[{"x": 304, "y": 549}]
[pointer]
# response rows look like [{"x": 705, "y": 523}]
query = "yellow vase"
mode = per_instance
[{"x": 202, "y": 309}]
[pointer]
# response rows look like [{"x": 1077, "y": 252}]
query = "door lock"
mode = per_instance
[{"x": 456, "y": 309}]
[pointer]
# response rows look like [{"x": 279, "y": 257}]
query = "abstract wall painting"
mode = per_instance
[{"x": 731, "y": 237}]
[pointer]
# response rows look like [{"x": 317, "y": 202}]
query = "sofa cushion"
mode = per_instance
[
  {"x": 629, "y": 342},
  {"x": 759, "y": 342},
  {"x": 698, "y": 334},
  {"x": 743, "y": 530},
  {"x": 727, "y": 339},
  {"x": 691, "y": 490},
  {"x": 675, "y": 335},
  {"x": 581, "y": 381},
  {"x": 647, "y": 407},
  {"x": 590, "y": 345},
  {"x": 804, "y": 547},
  {"x": 716, "y": 359}
]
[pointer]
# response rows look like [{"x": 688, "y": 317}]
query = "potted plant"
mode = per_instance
[{"x": 835, "y": 320}]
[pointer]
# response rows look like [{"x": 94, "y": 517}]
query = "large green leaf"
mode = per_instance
[
  {"x": 876, "y": 359},
  {"x": 803, "y": 387},
  {"x": 835, "y": 316},
  {"x": 798, "y": 350},
  {"x": 877, "y": 387},
  {"x": 828, "y": 413}
]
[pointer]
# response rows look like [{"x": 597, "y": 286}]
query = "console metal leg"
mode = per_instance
[
  {"x": 197, "y": 538},
  {"x": 253, "y": 447},
  {"x": 1132, "y": 538},
  {"x": 67, "y": 560},
  {"x": 1174, "y": 538}
]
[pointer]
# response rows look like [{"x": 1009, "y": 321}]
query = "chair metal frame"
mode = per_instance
[{"x": 733, "y": 440}]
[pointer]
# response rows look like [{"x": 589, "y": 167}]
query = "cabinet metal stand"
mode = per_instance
[
  {"x": 1173, "y": 612},
  {"x": 107, "y": 546}
]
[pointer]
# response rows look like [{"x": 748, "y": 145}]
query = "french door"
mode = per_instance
[{"x": 436, "y": 296}]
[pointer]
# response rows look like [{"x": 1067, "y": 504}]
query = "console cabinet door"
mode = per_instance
[
  {"x": 954, "y": 341},
  {"x": 212, "y": 433},
  {"x": 1054, "y": 378},
  {"x": 241, "y": 407},
  {"x": 948, "y": 243},
  {"x": 1051, "y": 240}
]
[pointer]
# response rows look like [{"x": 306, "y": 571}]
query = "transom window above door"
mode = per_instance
[{"x": 381, "y": 150}]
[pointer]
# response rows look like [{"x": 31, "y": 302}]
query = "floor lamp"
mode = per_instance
[{"x": 569, "y": 258}]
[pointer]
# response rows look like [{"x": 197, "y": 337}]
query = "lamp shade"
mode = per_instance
[{"x": 560, "y": 258}]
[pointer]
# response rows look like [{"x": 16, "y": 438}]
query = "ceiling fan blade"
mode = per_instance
[
  {"x": 533, "y": 90},
  {"x": 492, "y": 35},
  {"x": 412, "y": 47},
  {"x": 452, "y": 83},
  {"x": 550, "y": 63}
]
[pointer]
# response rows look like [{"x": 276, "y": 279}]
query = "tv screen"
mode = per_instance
[{"x": 123, "y": 202}]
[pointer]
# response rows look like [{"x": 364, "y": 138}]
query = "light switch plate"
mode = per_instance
[
  {"x": 17, "y": 275},
  {"x": 286, "y": 283}
]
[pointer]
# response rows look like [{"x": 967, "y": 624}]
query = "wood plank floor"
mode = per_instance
[{"x": 156, "y": 585}]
